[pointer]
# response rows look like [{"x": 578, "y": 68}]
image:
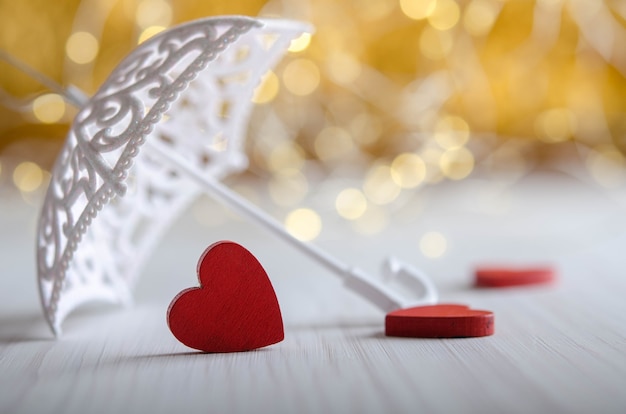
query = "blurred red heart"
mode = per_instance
[
  {"x": 439, "y": 321},
  {"x": 234, "y": 309},
  {"x": 497, "y": 277}
]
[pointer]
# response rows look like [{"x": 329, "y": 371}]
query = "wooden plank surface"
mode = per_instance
[{"x": 558, "y": 348}]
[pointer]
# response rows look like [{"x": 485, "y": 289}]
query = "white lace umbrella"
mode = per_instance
[
  {"x": 85, "y": 254},
  {"x": 140, "y": 150}
]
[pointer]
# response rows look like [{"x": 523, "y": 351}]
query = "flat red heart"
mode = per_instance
[
  {"x": 439, "y": 321},
  {"x": 234, "y": 309},
  {"x": 498, "y": 277}
]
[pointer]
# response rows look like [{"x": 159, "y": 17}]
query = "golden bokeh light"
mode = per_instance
[
  {"x": 445, "y": 15},
  {"x": 396, "y": 93},
  {"x": 435, "y": 44},
  {"x": 365, "y": 129},
  {"x": 432, "y": 156},
  {"x": 33, "y": 198},
  {"x": 556, "y": 125},
  {"x": 372, "y": 222},
  {"x": 607, "y": 166},
  {"x": 286, "y": 156},
  {"x": 49, "y": 108},
  {"x": 379, "y": 186},
  {"x": 351, "y": 203},
  {"x": 408, "y": 170},
  {"x": 554, "y": 3},
  {"x": 267, "y": 90},
  {"x": 82, "y": 47},
  {"x": 343, "y": 68},
  {"x": 304, "y": 224},
  {"x": 333, "y": 143},
  {"x": 288, "y": 187},
  {"x": 418, "y": 9},
  {"x": 375, "y": 10},
  {"x": 300, "y": 43},
  {"x": 433, "y": 245},
  {"x": 149, "y": 32},
  {"x": 479, "y": 16},
  {"x": 301, "y": 77},
  {"x": 27, "y": 176},
  {"x": 457, "y": 164},
  {"x": 153, "y": 13},
  {"x": 451, "y": 132}
]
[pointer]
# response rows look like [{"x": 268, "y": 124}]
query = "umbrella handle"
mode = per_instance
[{"x": 355, "y": 279}]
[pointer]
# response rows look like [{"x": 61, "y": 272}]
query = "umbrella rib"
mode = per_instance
[{"x": 357, "y": 280}]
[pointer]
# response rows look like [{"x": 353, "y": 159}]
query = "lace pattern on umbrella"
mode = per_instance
[{"x": 85, "y": 254}]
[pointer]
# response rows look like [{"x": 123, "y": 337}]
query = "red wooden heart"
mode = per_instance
[
  {"x": 235, "y": 307},
  {"x": 439, "y": 321},
  {"x": 498, "y": 277}
]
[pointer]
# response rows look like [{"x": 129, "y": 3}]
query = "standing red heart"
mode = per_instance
[{"x": 234, "y": 309}]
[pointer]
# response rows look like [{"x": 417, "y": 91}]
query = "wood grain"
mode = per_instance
[
  {"x": 557, "y": 349},
  {"x": 235, "y": 308}
]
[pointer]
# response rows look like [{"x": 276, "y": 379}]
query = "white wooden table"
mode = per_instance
[{"x": 556, "y": 348}]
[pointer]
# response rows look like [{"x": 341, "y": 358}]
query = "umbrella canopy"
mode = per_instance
[{"x": 187, "y": 90}]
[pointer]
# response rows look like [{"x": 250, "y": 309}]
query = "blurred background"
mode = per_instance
[{"x": 388, "y": 97}]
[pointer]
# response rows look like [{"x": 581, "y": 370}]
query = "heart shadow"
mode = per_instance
[{"x": 188, "y": 354}]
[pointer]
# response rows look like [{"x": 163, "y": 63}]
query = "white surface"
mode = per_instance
[{"x": 560, "y": 348}]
